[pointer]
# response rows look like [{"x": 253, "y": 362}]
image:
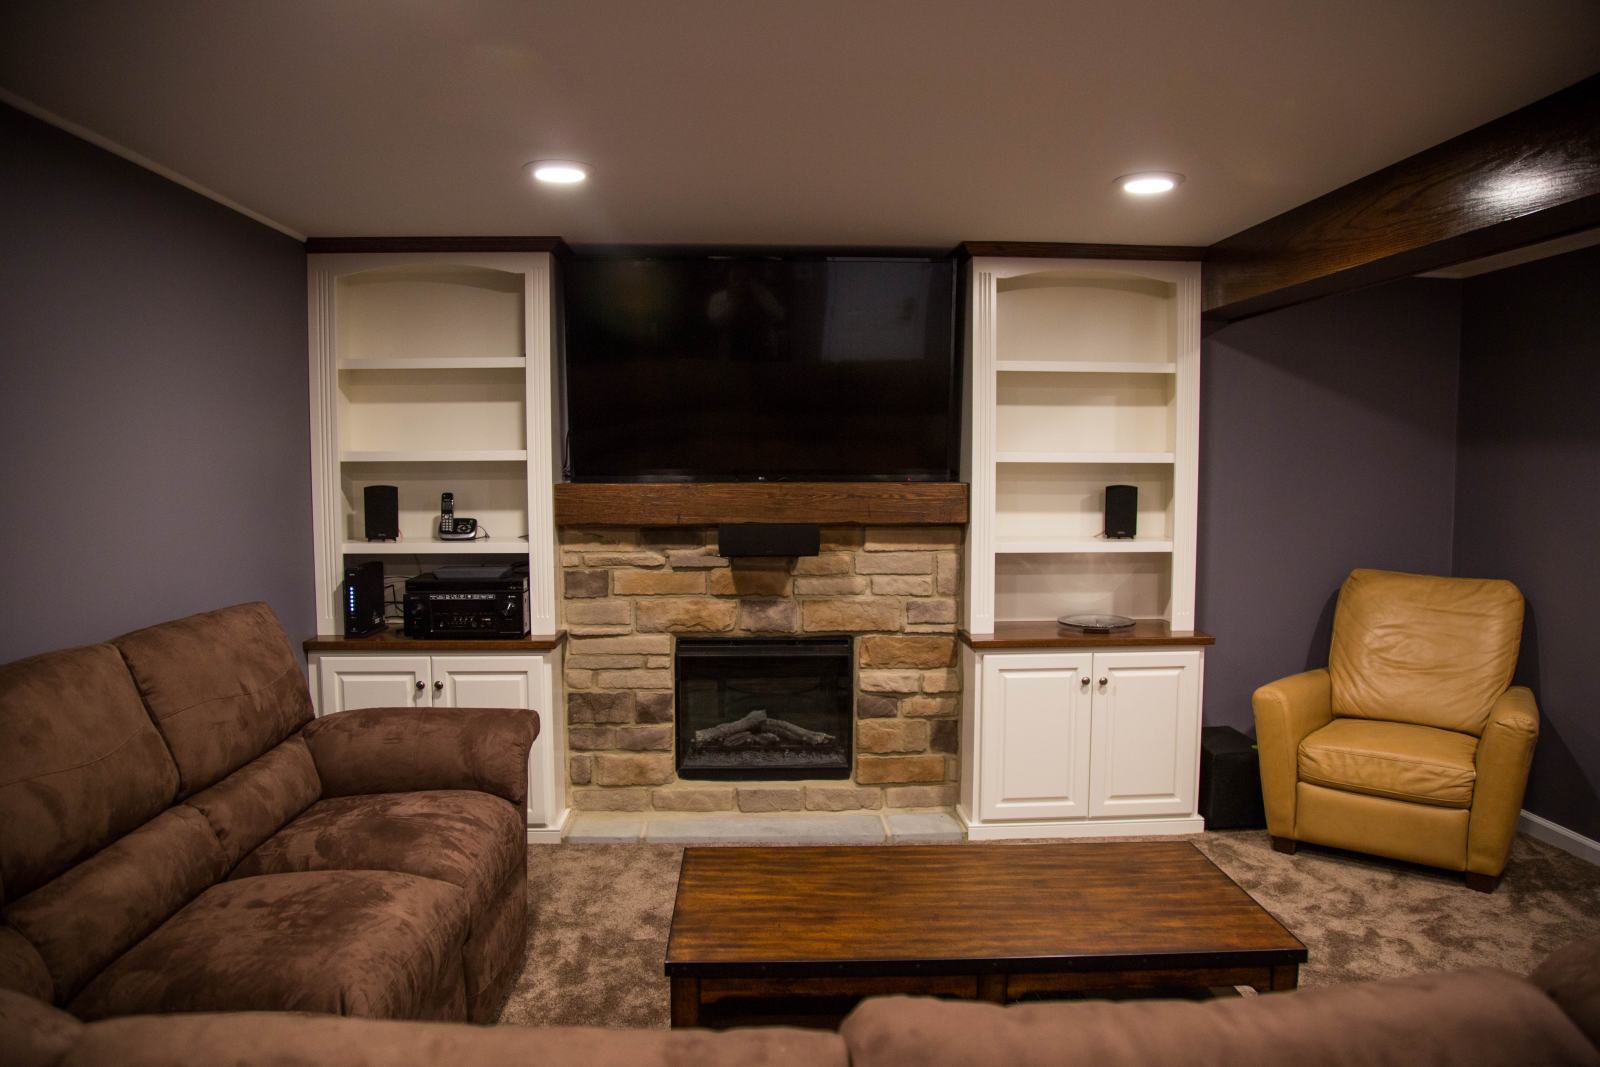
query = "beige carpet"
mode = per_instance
[{"x": 598, "y": 925}]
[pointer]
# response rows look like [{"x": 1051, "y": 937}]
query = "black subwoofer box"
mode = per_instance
[{"x": 1230, "y": 780}]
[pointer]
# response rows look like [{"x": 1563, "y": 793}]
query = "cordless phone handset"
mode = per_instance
[{"x": 447, "y": 513}]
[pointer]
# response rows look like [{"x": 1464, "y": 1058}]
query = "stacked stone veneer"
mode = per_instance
[{"x": 628, "y": 592}]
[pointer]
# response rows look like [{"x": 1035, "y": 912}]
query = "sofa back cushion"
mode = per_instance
[
  {"x": 1431, "y": 651},
  {"x": 1484, "y": 1018},
  {"x": 80, "y": 763},
  {"x": 223, "y": 687}
]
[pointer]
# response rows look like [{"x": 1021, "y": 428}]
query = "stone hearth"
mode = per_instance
[{"x": 627, "y": 593}]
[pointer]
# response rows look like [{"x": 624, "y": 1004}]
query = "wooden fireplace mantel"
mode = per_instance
[{"x": 708, "y": 503}]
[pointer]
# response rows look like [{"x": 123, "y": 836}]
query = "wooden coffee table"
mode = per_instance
[{"x": 994, "y": 922}]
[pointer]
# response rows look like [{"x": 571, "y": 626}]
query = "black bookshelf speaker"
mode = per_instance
[
  {"x": 381, "y": 506},
  {"x": 1122, "y": 511}
]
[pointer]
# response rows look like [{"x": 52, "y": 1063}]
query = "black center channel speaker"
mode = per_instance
[
  {"x": 1122, "y": 512},
  {"x": 381, "y": 507},
  {"x": 768, "y": 539}
]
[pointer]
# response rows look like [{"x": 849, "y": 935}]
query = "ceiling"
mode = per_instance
[{"x": 843, "y": 122}]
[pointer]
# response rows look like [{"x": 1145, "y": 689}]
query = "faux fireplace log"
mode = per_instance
[
  {"x": 728, "y": 729},
  {"x": 758, "y": 722}
]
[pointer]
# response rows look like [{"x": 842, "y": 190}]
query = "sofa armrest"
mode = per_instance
[
  {"x": 401, "y": 750},
  {"x": 1505, "y": 752},
  {"x": 1286, "y": 711}
]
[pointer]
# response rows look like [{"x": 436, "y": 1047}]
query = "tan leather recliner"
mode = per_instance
[{"x": 1409, "y": 744}]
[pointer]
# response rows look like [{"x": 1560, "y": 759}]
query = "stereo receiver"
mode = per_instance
[{"x": 484, "y": 605}]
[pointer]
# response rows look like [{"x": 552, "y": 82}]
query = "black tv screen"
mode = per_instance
[{"x": 740, "y": 368}]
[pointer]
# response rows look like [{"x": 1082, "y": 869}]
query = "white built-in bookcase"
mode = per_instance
[
  {"x": 433, "y": 373},
  {"x": 1084, "y": 373}
]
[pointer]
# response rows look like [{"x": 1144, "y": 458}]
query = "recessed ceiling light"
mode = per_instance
[
  {"x": 1149, "y": 182},
  {"x": 558, "y": 171}
]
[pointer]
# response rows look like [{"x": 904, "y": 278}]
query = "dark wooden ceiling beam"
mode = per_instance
[{"x": 1525, "y": 177}]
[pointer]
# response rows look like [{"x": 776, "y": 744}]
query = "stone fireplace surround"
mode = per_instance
[{"x": 627, "y": 593}]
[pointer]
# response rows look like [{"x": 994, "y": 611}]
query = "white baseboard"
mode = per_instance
[
  {"x": 1542, "y": 829},
  {"x": 550, "y": 835}
]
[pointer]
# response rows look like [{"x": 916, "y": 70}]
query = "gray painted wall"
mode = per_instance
[
  {"x": 154, "y": 437},
  {"x": 1528, "y": 500},
  {"x": 1327, "y": 442}
]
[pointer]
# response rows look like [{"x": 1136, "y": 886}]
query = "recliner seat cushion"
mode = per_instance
[
  {"x": 1390, "y": 759},
  {"x": 1419, "y": 649},
  {"x": 471, "y": 840},
  {"x": 371, "y": 943}
]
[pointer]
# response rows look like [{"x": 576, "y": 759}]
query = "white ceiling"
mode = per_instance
[{"x": 862, "y": 122}]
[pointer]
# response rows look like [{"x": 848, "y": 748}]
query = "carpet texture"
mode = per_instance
[{"x": 599, "y": 917}]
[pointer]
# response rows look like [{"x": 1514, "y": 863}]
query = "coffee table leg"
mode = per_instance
[
  {"x": 685, "y": 1002},
  {"x": 1286, "y": 976}
]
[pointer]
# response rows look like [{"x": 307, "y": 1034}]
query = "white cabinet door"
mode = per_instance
[
  {"x": 1034, "y": 752},
  {"x": 1146, "y": 733},
  {"x": 484, "y": 681},
  {"x": 377, "y": 681}
]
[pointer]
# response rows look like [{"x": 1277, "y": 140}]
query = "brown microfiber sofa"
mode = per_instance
[
  {"x": 180, "y": 835},
  {"x": 1472, "y": 1019}
]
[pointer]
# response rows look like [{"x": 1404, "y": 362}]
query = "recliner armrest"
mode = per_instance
[
  {"x": 401, "y": 750},
  {"x": 1505, "y": 752},
  {"x": 1286, "y": 711}
]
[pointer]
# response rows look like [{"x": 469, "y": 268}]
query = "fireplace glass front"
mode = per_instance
[{"x": 757, "y": 707}]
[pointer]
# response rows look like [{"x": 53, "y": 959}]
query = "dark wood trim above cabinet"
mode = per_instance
[
  {"x": 709, "y": 503},
  {"x": 323, "y": 245},
  {"x": 1057, "y": 250},
  {"x": 1047, "y": 634},
  {"x": 1525, "y": 177},
  {"x": 392, "y": 640}
]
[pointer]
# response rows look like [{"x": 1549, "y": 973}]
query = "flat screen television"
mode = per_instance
[{"x": 745, "y": 367}]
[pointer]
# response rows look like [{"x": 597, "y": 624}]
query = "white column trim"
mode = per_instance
[{"x": 981, "y": 499}]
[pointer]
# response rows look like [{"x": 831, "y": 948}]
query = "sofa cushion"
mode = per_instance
[
  {"x": 472, "y": 840},
  {"x": 22, "y": 969},
  {"x": 1418, "y": 649},
  {"x": 1571, "y": 976},
  {"x": 34, "y": 1034},
  {"x": 99, "y": 909},
  {"x": 259, "y": 799},
  {"x": 1483, "y": 1018},
  {"x": 374, "y": 943},
  {"x": 1392, "y": 759},
  {"x": 224, "y": 687},
  {"x": 269, "y": 1040},
  {"x": 80, "y": 763}
]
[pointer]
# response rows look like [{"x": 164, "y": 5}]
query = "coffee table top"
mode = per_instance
[{"x": 972, "y": 908}]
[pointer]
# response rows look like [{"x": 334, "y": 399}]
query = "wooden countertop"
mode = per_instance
[
  {"x": 394, "y": 641},
  {"x": 1047, "y": 633}
]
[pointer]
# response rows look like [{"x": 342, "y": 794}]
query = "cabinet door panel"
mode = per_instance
[
  {"x": 485, "y": 681},
  {"x": 1146, "y": 733},
  {"x": 349, "y": 682},
  {"x": 1034, "y": 761}
]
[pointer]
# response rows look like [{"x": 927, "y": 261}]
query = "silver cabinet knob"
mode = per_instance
[
  {"x": 420, "y": 686},
  {"x": 438, "y": 687}
]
